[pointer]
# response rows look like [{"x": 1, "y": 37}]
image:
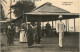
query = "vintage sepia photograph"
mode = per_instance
[{"x": 39, "y": 25}]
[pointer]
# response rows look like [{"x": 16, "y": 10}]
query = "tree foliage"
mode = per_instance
[{"x": 22, "y": 7}]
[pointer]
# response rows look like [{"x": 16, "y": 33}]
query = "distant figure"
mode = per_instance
[
  {"x": 13, "y": 31},
  {"x": 43, "y": 31},
  {"x": 48, "y": 29},
  {"x": 30, "y": 35},
  {"x": 9, "y": 35},
  {"x": 23, "y": 37},
  {"x": 39, "y": 32},
  {"x": 17, "y": 32},
  {"x": 60, "y": 28},
  {"x": 35, "y": 33}
]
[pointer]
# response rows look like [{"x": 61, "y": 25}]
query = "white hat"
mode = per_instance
[{"x": 60, "y": 17}]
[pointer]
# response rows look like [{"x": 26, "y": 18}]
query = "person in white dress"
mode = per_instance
[
  {"x": 61, "y": 28},
  {"x": 23, "y": 37}
]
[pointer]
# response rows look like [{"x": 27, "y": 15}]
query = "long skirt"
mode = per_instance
[
  {"x": 23, "y": 37},
  {"x": 61, "y": 39}
]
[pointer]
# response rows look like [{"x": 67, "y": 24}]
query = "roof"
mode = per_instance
[
  {"x": 52, "y": 13},
  {"x": 47, "y": 8},
  {"x": 49, "y": 12}
]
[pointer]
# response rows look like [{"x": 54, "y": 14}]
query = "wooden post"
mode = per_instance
[
  {"x": 55, "y": 23},
  {"x": 52, "y": 24},
  {"x": 68, "y": 25},
  {"x": 74, "y": 24},
  {"x": 52, "y": 29},
  {"x": 26, "y": 23},
  {"x": 23, "y": 16},
  {"x": 26, "y": 27}
]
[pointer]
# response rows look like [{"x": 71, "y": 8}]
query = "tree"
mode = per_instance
[{"x": 22, "y": 7}]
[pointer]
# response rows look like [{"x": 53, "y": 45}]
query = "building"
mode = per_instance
[{"x": 49, "y": 14}]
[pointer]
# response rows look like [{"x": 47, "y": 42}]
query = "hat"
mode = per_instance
[{"x": 60, "y": 17}]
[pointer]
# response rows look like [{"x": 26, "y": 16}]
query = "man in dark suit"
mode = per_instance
[
  {"x": 30, "y": 35},
  {"x": 9, "y": 35}
]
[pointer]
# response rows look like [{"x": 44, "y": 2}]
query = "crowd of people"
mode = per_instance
[{"x": 32, "y": 33}]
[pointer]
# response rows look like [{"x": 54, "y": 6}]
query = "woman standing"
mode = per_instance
[{"x": 23, "y": 37}]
